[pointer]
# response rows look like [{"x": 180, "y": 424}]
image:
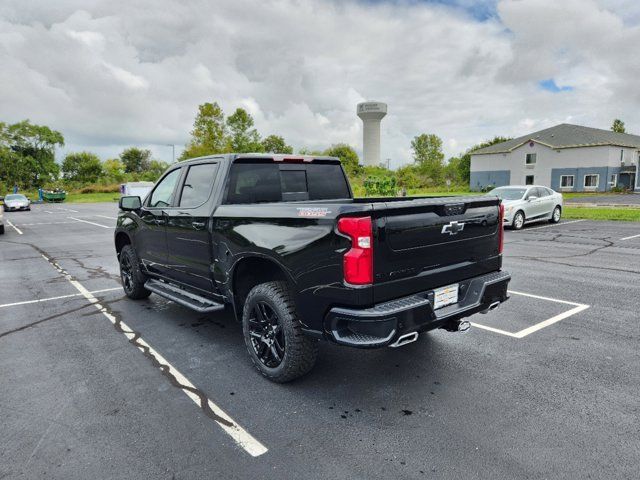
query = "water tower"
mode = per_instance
[{"x": 371, "y": 114}]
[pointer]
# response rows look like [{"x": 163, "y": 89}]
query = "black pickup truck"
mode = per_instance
[{"x": 281, "y": 241}]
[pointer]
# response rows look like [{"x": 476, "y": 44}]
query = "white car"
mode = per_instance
[
  {"x": 16, "y": 201},
  {"x": 528, "y": 203}
]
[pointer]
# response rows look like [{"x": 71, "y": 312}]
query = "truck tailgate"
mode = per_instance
[{"x": 427, "y": 243}]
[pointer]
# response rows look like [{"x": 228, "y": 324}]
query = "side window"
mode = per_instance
[
  {"x": 254, "y": 183},
  {"x": 541, "y": 192},
  {"x": 198, "y": 184},
  {"x": 163, "y": 193}
]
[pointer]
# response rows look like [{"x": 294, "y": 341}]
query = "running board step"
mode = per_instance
[{"x": 183, "y": 297}]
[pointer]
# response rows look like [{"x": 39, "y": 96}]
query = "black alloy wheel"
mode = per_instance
[
  {"x": 267, "y": 335},
  {"x": 126, "y": 273},
  {"x": 130, "y": 274}
]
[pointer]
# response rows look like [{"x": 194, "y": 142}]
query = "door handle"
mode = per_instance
[{"x": 198, "y": 225}]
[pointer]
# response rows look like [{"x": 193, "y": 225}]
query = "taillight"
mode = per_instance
[
  {"x": 358, "y": 261},
  {"x": 501, "y": 229}
]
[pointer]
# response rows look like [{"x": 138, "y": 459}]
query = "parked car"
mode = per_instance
[
  {"x": 16, "y": 201},
  {"x": 282, "y": 242},
  {"x": 528, "y": 203},
  {"x": 1, "y": 221}
]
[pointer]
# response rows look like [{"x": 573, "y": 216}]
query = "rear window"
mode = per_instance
[{"x": 272, "y": 182}]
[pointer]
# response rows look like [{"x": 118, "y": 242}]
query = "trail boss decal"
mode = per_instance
[{"x": 313, "y": 212}]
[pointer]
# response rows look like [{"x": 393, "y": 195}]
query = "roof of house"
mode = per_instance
[{"x": 566, "y": 135}]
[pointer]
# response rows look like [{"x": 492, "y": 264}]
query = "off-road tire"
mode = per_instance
[
  {"x": 515, "y": 224},
  {"x": 300, "y": 351},
  {"x": 133, "y": 284},
  {"x": 554, "y": 218},
  {"x": 1, "y": 229}
]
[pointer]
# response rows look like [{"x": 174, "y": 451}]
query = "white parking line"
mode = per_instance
[
  {"x": 43, "y": 223},
  {"x": 578, "y": 307},
  {"x": 91, "y": 223},
  {"x": 27, "y": 302},
  {"x": 105, "y": 216},
  {"x": 14, "y": 227},
  {"x": 629, "y": 238},
  {"x": 242, "y": 438},
  {"x": 525, "y": 230},
  {"x": 69, "y": 210}
]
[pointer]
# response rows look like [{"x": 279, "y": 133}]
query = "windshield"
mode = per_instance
[
  {"x": 14, "y": 197},
  {"x": 508, "y": 193}
]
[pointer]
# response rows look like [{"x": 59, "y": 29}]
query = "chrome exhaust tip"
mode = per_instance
[
  {"x": 493, "y": 306},
  {"x": 405, "y": 339},
  {"x": 464, "y": 326}
]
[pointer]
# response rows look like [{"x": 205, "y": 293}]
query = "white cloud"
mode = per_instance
[{"x": 112, "y": 73}]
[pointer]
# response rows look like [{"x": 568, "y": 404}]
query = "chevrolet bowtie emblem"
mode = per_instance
[{"x": 453, "y": 228}]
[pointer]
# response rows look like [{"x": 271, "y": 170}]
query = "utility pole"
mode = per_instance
[{"x": 173, "y": 151}]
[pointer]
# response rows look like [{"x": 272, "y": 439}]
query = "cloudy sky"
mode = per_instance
[{"x": 114, "y": 73}]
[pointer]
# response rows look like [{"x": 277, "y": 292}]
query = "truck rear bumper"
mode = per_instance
[{"x": 382, "y": 324}]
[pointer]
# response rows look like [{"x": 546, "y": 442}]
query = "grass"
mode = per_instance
[
  {"x": 92, "y": 197},
  {"x": 626, "y": 214}
]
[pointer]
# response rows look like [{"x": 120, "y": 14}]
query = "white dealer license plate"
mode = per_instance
[{"x": 445, "y": 296}]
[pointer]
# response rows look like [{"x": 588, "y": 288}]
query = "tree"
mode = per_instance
[
  {"x": 135, "y": 160},
  {"x": 114, "y": 170},
  {"x": 82, "y": 167},
  {"x": 243, "y": 138},
  {"x": 308, "y": 151},
  {"x": 156, "y": 168},
  {"x": 618, "y": 126},
  {"x": 27, "y": 154},
  {"x": 275, "y": 144},
  {"x": 427, "y": 153},
  {"x": 209, "y": 132},
  {"x": 347, "y": 155}
]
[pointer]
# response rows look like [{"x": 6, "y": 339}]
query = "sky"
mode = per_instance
[{"x": 110, "y": 74}]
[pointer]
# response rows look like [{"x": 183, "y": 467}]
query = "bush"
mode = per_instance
[
  {"x": 113, "y": 188},
  {"x": 380, "y": 186}
]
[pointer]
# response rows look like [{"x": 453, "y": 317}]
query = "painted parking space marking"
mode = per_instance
[
  {"x": 525, "y": 230},
  {"x": 43, "y": 223},
  {"x": 577, "y": 308},
  {"x": 90, "y": 223},
  {"x": 39, "y": 300},
  {"x": 629, "y": 238},
  {"x": 106, "y": 216},
  {"x": 240, "y": 436},
  {"x": 14, "y": 227}
]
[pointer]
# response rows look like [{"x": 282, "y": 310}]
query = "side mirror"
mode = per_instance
[
  {"x": 531, "y": 198},
  {"x": 129, "y": 204}
]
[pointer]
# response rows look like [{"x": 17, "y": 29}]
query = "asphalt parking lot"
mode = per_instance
[{"x": 92, "y": 384}]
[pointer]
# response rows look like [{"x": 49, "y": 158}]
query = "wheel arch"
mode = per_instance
[
  {"x": 253, "y": 270},
  {"x": 121, "y": 240}
]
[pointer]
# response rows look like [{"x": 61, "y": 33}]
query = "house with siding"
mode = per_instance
[{"x": 567, "y": 158}]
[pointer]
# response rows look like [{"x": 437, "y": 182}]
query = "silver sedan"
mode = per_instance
[
  {"x": 529, "y": 203},
  {"x": 16, "y": 201}
]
